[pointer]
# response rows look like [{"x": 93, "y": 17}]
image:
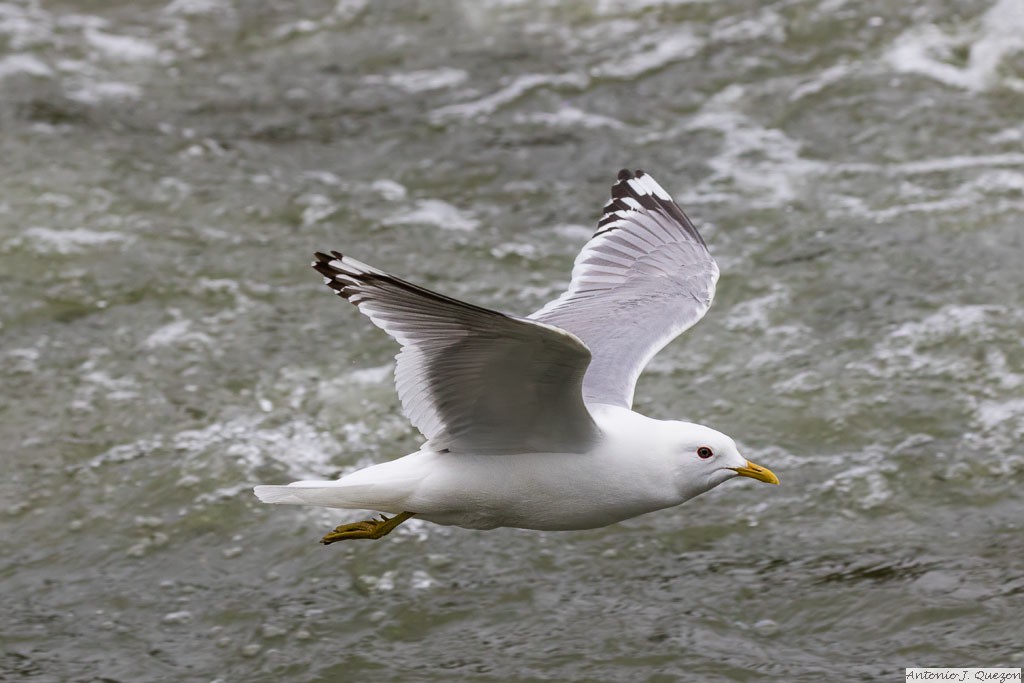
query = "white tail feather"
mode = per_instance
[{"x": 386, "y": 498}]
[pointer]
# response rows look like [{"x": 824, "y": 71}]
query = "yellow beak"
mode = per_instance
[{"x": 756, "y": 472}]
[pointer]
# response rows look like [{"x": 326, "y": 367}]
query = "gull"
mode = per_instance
[{"x": 528, "y": 420}]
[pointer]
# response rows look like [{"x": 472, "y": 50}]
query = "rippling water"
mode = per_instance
[{"x": 168, "y": 169}]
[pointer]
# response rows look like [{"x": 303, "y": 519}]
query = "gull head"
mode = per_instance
[{"x": 704, "y": 458}]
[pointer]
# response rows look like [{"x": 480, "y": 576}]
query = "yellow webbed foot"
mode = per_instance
[{"x": 371, "y": 528}]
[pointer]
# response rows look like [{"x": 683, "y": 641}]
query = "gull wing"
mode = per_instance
[
  {"x": 642, "y": 279},
  {"x": 471, "y": 379}
]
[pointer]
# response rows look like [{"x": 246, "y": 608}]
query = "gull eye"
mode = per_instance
[{"x": 704, "y": 453}]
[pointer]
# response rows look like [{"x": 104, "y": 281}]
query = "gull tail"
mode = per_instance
[
  {"x": 322, "y": 493},
  {"x": 390, "y": 495}
]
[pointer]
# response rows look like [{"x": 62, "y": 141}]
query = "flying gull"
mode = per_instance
[{"x": 529, "y": 421}]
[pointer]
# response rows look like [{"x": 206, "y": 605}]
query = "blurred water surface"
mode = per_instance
[{"x": 168, "y": 168}]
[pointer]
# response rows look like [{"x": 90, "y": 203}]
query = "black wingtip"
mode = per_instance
[
  {"x": 649, "y": 199},
  {"x": 323, "y": 265},
  {"x": 626, "y": 174}
]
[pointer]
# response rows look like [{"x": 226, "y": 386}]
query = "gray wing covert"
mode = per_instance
[{"x": 471, "y": 379}]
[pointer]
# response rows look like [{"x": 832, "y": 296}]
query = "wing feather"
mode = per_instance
[
  {"x": 472, "y": 379},
  {"x": 644, "y": 277}
]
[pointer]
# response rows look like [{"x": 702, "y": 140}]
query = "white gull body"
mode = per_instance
[{"x": 528, "y": 420}]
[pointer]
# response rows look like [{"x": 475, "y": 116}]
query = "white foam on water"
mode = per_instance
[
  {"x": 78, "y": 67},
  {"x": 799, "y": 383},
  {"x": 346, "y": 11},
  {"x": 26, "y": 26},
  {"x": 950, "y": 320},
  {"x": 435, "y": 212},
  {"x": 177, "y": 333},
  {"x": 55, "y": 199},
  {"x": 998, "y": 185},
  {"x": 755, "y": 314},
  {"x": 421, "y": 580},
  {"x": 80, "y": 22},
  {"x": 569, "y": 117},
  {"x": 232, "y": 287},
  {"x": 423, "y": 80},
  {"x": 297, "y": 28},
  {"x": 197, "y": 8},
  {"x": 574, "y": 232},
  {"x": 1015, "y": 134},
  {"x": 999, "y": 369},
  {"x": 303, "y": 449},
  {"x": 658, "y": 52},
  {"x": 317, "y": 208},
  {"x": 863, "y": 485},
  {"x": 389, "y": 189},
  {"x": 999, "y": 431},
  {"x": 96, "y": 382},
  {"x": 821, "y": 80},
  {"x": 763, "y": 163},
  {"x": 24, "y": 360},
  {"x": 121, "y": 48},
  {"x": 615, "y": 7},
  {"x": 126, "y": 452},
  {"x": 930, "y": 345},
  {"x": 525, "y": 250},
  {"x": 585, "y": 36},
  {"x": 936, "y": 165},
  {"x": 928, "y": 49},
  {"x": 26, "y": 64},
  {"x": 995, "y": 414},
  {"x": 375, "y": 375},
  {"x": 46, "y": 240},
  {"x": 116, "y": 388},
  {"x": 766, "y": 23},
  {"x": 97, "y": 92},
  {"x": 171, "y": 190},
  {"x": 323, "y": 177},
  {"x": 515, "y": 89},
  {"x": 983, "y": 189},
  {"x": 235, "y": 448},
  {"x": 946, "y": 205}
]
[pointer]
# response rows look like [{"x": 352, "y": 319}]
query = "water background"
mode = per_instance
[{"x": 168, "y": 168}]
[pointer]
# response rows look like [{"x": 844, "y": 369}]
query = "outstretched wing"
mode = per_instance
[
  {"x": 643, "y": 278},
  {"x": 471, "y": 379}
]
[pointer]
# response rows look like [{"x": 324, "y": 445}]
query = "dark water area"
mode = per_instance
[{"x": 168, "y": 168}]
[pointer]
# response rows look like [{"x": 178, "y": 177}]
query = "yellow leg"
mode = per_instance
[{"x": 371, "y": 528}]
